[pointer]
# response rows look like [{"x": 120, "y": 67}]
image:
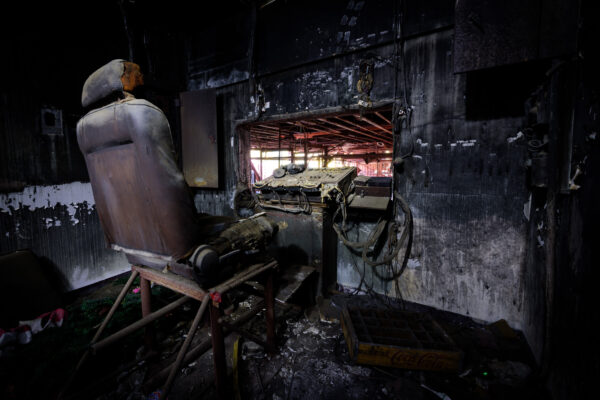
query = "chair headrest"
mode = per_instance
[{"x": 105, "y": 81}]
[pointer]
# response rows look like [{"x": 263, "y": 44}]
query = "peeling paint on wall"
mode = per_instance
[
  {"x": 70, "y": 195},
  {"x": 60, "y": 223},
  {"x": 464, "y": 143}
]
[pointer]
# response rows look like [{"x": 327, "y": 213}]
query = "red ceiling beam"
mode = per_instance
[
  {"x": 363, "y": 128},
  {"x": 382, "y": 117},
  {"x": 364, "y": 118},
  {"x": 354, "y": 130}
]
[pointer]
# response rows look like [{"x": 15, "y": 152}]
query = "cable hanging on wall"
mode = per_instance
[{"x": 401, "y": 115}]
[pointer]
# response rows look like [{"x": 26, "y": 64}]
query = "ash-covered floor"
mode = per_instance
[{"x": 312, "y": 361}]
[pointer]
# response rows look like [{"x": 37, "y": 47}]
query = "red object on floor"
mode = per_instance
[{"x": 23, "y": 333}]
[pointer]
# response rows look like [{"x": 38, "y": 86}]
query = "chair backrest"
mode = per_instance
[{"x": 143, "y": 202}]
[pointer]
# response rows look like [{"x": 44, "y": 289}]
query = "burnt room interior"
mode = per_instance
[{"x": 284, "y": 199}]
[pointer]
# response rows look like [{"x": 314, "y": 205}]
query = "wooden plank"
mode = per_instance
[
  {"x": 190, "y": 288},
  {"x": 363, "y": 128},
  {"x": 172, "y": 281},
  {"x": 335, "y": 132},
  {"x": 375, "y": 124},
  {"x": 377, "y": 138}
]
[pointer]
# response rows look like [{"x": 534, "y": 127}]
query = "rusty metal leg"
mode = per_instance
[
  {"x": 108, "y": 317},
  {"x": 218, "y": 344},
  {"x": 147, "y": 310},
  {"x": 270, "y": 314},
  {"x": 184, "y": 347}
]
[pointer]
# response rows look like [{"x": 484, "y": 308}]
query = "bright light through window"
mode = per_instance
[{"x": 363, "y": 140}]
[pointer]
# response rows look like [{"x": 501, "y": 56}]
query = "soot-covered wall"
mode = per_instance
[
  {"x": 480, "y": 247},
  {"x": 46, "y": 201},
  {"x": 486, "y": 244},
  {"x": 466, "y": 181}
]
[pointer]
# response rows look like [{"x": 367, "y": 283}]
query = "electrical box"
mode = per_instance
[{"x": 52, "y": 124}]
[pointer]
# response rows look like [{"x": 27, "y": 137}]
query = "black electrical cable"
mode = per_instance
[
  {"x": 305, "y": 208},
  {"x": 394, "y": 244},
  {"x": 407, "y": 116}
]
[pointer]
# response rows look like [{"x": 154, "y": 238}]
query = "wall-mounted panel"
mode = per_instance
[
  {"x": 199, "y": 138},
  {"x": 492, "y": 33}
]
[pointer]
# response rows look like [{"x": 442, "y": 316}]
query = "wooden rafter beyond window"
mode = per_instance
[
  {"x": 370, "y": 130},
  {"x": 363, "y": 139}
]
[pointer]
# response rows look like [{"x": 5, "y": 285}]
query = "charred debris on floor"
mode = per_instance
[{"x": 312, "y": 360}]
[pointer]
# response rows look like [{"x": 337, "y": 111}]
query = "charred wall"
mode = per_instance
[
  {"x": 480, "y": 245},
  {"x": 486, "y": 243},
  {"x": 466, "y": 181},
  {"x": 48, "y": 51},
  {"x": 567, "y": 218},
  {"x": 46, "y": 204}
]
